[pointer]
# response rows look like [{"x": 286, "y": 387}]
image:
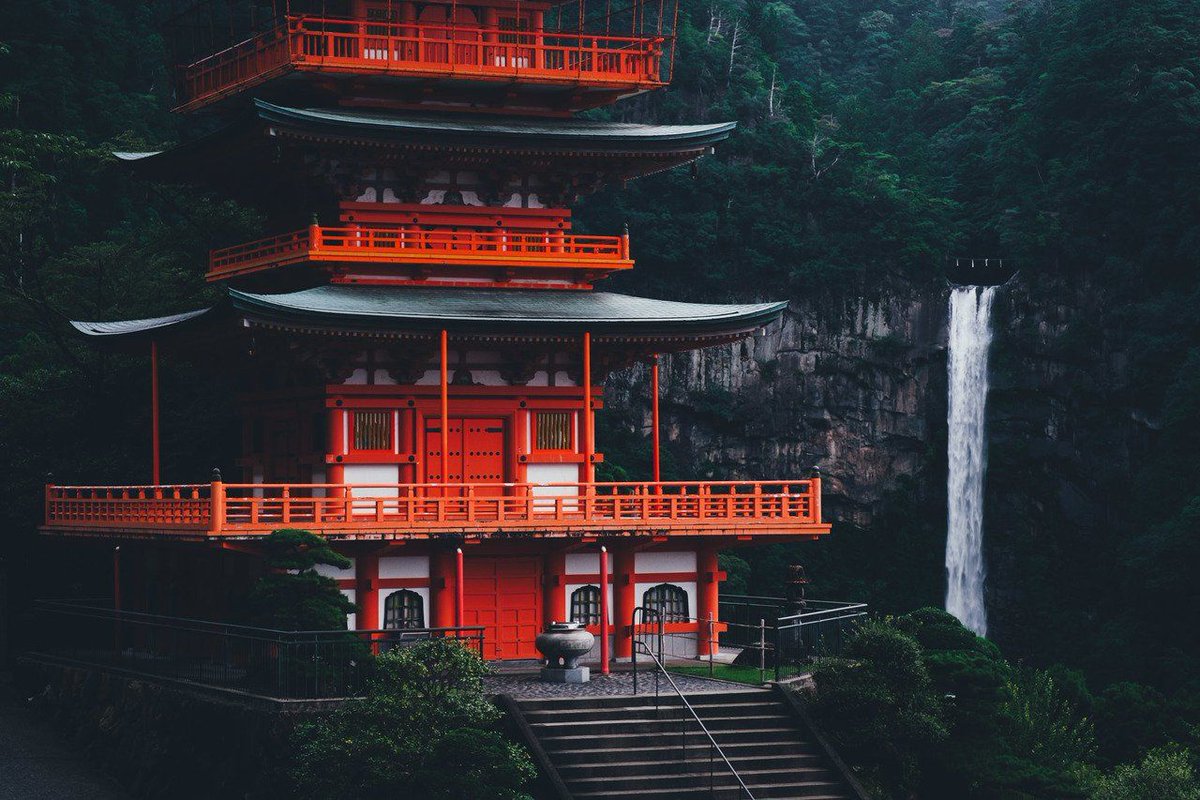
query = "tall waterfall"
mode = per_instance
[{"x": 970, "y": 339}]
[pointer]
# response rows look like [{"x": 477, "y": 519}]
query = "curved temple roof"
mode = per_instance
[
  {"x": 662, "y": 146},
  {"x": 391, "y": 309}
]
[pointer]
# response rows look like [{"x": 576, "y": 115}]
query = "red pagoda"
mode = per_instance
[{"x": 421, "y": 350}]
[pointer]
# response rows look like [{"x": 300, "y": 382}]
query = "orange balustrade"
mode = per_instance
[
  {"x": 424, "y": 50},
  {"x": 413, "y": 245},
  {"x": 238, "y": 510}
]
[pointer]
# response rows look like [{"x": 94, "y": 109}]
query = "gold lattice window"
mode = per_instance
[
  {"x": 372, "y": 430},
  {"x": 553, "y": 430}
]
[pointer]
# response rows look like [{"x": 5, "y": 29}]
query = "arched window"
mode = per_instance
[
  {"x": 669, "y": 600},
  {"x": 585, "y": 605},
  {"x": 403, "y": 610}
]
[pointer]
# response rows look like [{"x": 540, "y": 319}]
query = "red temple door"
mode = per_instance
[
  {"x": 504, "y": 596},
  {"x": 476, "y": 450}
]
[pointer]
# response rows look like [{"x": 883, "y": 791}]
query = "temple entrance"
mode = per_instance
[
  {"x": 476, "y": 448},
  {"x": 504, "y": 595}
]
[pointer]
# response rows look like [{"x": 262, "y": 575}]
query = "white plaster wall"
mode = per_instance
[
  {"x": 404, "y": 567},
  {"x": 584, "y": 563},
  {"x": 665, "y": 561},
  {"x": 329, "y": 571},
  {"x": 374, "y": 473},
  {"x": 351, "y": 619}
]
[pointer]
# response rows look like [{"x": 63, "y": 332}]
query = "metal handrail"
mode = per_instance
[{"x": 704, "y": 728}]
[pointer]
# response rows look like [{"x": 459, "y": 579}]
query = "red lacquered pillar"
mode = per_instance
[
  {"x": 443, "y": 591},
  {"x": 624, "y": 601},
  {"x": 366, "y": 591},
  {"x": 708, "y": 577}
]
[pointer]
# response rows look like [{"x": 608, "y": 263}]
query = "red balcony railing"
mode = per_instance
[
  {"x": 424, "y": 50},
  {"x": 412, "y": 245},
  {"x": 224, "y": 510}
]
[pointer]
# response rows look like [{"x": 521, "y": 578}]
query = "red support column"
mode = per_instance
[
  {"x": 655, "y": 422},
  {"x": 604, "y": 625},
  {"x": 155, "y": 468},
  {"x": 589, "y": 443},
  {"x": 366, "y": 591},
  {"x": 458, "y": 588},
  {"x": 337, "y": 445},
  {"x": 708, "y": 577},
  {"x": 443, "y": 591},
  {"x": 624, "y": 600},
  {"x": 554, "y": 591},
  {"x": 445, "y": 400}
]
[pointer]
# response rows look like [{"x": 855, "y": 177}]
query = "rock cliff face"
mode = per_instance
[{"x": 854, "y": 386}]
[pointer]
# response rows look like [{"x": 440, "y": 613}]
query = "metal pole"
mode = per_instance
[
  {"x": 709, "y": 647},
  {"x": 655, "y": 420},
  {"x": 604, "y": 668},
  {"x": 155, "y": 463},
  {"x": 762, "y": 650}
]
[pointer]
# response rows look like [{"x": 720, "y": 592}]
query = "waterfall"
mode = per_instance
[{"x": 970, "y": 338}]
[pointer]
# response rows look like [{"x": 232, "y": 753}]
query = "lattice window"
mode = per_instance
[
  {"x": 403, "y": 610},
  {"x": 513, "y": 28},
  {"x": 553, "y": 430},
  {"x": 669, "y": 600},
  {"x": 372, "y": 430},
  {"x": 585, "y": 605}
]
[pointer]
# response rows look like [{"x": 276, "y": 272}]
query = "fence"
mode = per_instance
[
  {"x": 752, "y": 632},
  {"x": 278, "y": 664}
]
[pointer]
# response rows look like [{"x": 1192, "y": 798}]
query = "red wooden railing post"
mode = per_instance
[
  {"x": 217, "y": 504},
  {"x": 814, "y": 488}
]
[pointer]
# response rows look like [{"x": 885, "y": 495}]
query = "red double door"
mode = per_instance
[
  {"x": 476, "y": 448},
  {"x": 504, "y": 595}
]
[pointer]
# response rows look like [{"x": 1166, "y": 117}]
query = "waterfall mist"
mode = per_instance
[{"x": 970, "y": 339}]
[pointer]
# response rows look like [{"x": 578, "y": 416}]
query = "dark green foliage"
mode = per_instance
[
  {"x": 1161, "y": 775},
  {"x": 292, "y": 596},
  {"x": 423, "y": 730},
  {"x": 879, "y": 703},
  {"x": 922, "y": 705}
]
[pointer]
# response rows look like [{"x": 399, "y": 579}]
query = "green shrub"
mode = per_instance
[{"x": 423, "y": 730}]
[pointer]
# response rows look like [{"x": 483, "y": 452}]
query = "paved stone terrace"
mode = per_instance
[{"x": 522, "y": 682}]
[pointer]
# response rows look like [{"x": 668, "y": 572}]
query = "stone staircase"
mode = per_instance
[{"x": 627, "y": 747}]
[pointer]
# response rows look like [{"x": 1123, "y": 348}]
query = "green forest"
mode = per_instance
[{"x": 877, "y": 140}]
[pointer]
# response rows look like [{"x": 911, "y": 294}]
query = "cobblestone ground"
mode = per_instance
[
  {"x": 36, "y": 765},
  {"x": 527, "y": 685}
]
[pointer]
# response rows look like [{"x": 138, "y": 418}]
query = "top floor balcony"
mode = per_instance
[
  {"x": 592, "y": 68},
  {"x": 220, "y": 511}
]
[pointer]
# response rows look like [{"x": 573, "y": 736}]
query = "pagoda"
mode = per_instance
[{"x": 420, "y": 347}]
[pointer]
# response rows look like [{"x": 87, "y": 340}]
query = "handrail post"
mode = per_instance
[{"x": 216, "y": 504}]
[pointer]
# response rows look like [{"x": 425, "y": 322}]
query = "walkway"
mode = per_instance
[{"x": 35, "y": 764}]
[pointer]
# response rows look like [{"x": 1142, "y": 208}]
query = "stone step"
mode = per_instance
[
  {"x": 664, "y": 711},
  {"x": 739, "y": 695},
  {"x": 673, "y": 725},
  {"x": 735, "y": 750},
  {"x": 673, "y": 762},
  {"x": 698, "y": 773},
  {"x": 777, "y": 736}
]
